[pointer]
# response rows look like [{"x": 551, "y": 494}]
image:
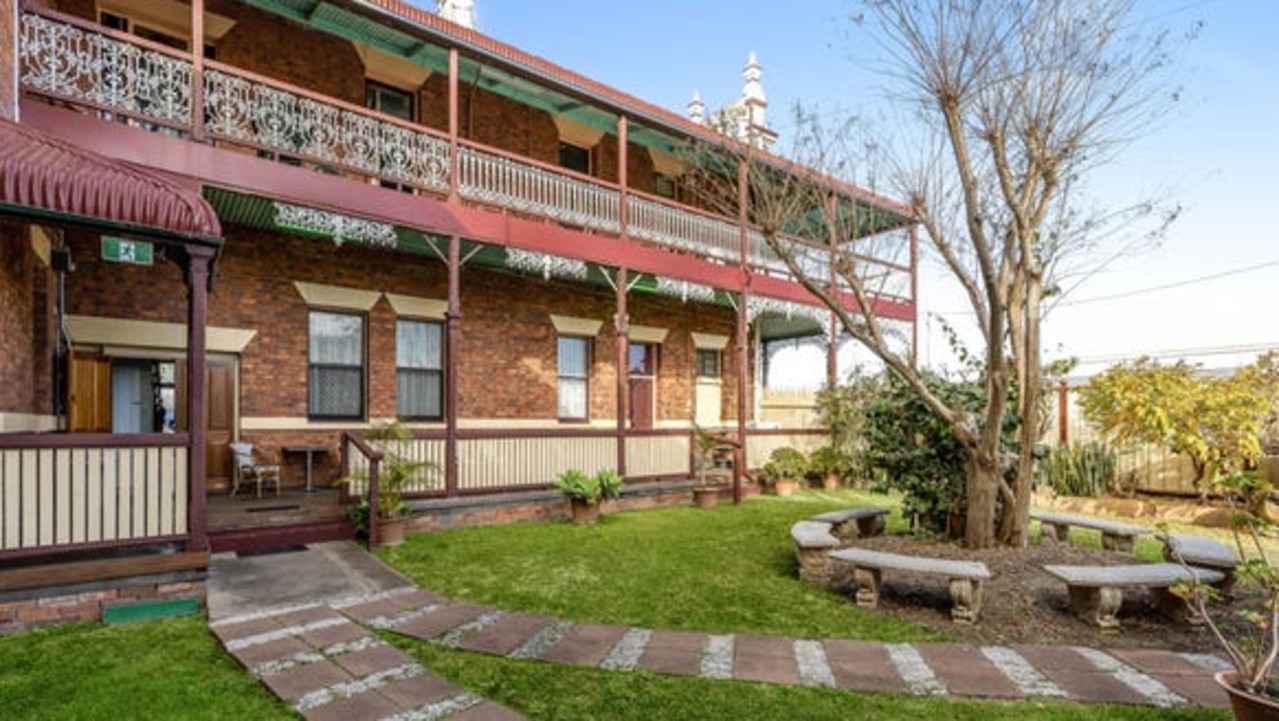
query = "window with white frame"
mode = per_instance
[
  {"x": 335, "y": 366},
  {"x": 574, "y": 377},
  {"x": 419, "y": 369}
]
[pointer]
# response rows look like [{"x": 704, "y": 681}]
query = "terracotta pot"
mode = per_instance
[
  {"x": 706, "y": 497},
  {"x": 584, "y": 512},
  {"x": 391, "y": 531},
  {"x": 785, "y": 487},
  {"x": 1246, "y": 706}
]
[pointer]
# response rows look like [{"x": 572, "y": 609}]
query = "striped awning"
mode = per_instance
[{"x": 48, "y": 176}]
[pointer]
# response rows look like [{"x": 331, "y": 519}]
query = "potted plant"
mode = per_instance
[
  {"x": 1249, "y": 636},
  {"x": 704, "y": 494},
  {"x": 584, "y": 493},
  {"x": 395, "y": 473},
  {"x": 830, "y": 466},
  {"x": 785, "y": 470}
]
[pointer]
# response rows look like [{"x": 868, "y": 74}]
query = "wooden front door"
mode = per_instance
[
  {"x": 88, "y": 393},
  {"x": 642, "y": 361},
  {"x": 219, "y": 383}
]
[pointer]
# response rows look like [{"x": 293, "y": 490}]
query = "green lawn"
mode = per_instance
[
  {"x": 726, "y": 570},
  {"x": 171, "y": 669}
]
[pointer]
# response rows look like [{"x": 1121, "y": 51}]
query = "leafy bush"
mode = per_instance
[
  {"x": 785, "y": 464},
  {"x": 830, "y": 461},
  {"x": 591, "y": 489},
  {"x": 1086, "y": 469},
  {"x": 909, "y": 449}
]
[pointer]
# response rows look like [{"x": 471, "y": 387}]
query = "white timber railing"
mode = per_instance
[{"x": 54, "y": 497}]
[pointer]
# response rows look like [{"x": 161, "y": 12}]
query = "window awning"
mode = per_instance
[{"x": 44, "y": 177}]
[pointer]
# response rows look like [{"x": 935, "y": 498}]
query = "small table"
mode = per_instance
[{"x": 310, "y": 451}]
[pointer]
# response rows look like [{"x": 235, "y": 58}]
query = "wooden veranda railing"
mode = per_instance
[{"x": 62, "y": 492}]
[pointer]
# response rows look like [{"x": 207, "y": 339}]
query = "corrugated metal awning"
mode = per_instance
[{"x": 51, "y": 176}]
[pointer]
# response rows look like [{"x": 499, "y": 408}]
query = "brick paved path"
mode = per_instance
[{"x": 324, "y": 661}]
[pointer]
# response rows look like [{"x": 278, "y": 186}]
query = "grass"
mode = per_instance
[
  {"x": 570, "y": 693},
  {"x": 171, "y": 669},
  {"x": 726, "y": 570},
  {"x": 730, "y": 569}
]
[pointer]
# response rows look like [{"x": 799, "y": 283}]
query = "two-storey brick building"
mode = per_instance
[{"x": 339, "y": 211}]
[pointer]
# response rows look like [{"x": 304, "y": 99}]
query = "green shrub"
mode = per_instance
[
  {"x": 1086, "y": 469},
  {"x": 785, "y": 464},
  {"x": 591, "y": 489}
]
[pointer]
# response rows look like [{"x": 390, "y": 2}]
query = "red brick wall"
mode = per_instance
[
  {"x": 18, "y": 372},
  {"x": 508, "y": 343},
  {"x": 8, "y": 58},
  {"x": 87, "y": 606}
]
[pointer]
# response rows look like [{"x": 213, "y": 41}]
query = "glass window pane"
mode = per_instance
[
  {"x": 337, "y": 339},
  {"x": 419, "y": 344},
  {"x": 572, "y": 398},
  {"x": 640, "y": 357},
  {"x": 572, "y": 357},
  {"x": 336, "y": 392},
  {"x": 419, "y": 394}
]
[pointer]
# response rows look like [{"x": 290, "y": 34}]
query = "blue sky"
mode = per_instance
[{"x": 1216, "y": 154}]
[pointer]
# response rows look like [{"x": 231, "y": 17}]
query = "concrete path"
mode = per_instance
[{"x": 319, "y": 656}]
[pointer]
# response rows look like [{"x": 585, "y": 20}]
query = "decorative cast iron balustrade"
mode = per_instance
[
  {"x": 71, "y": 63},
  {"x": 300, "y": 126},
  {"x": 498, "y": 180},
  {"x": 667, "y": 225},
  {"x": 69, "y": 60}
]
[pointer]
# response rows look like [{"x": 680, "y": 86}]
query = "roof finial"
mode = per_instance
[
  {"x": 461, "y": 12},
  {"x": 697, "y": 109}
]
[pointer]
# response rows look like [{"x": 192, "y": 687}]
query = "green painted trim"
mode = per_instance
[{"x": 149, "y": 610}]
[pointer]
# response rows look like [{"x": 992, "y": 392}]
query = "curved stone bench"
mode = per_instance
[
  {"x": 964, "y": 577},
  {"x": 812, "y": 540},
  {"x": 1115, "y": 536},
  {"x": 1202, "y": 552},
  {"x": 1096, "y": 592},
  {"x": 868, "y": 519}
]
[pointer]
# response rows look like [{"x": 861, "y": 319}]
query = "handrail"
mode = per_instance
[{"x": 374, "y": 457}]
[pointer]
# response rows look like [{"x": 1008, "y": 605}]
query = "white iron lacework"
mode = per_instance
[
  {"x": 341, "y": 227},
  {"x": 305, "y": 127},
  {"x": 685, "y": 291},
  {"x": 757, "y": 305},
  {"x": 547, "y": 266},
  {"x": 65, "y": 61}
]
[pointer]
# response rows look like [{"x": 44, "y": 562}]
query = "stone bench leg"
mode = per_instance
[
  {"x": 1097, "y": 605},
  {"x": 868, "y": 581},
  {"x": 1111, "y": 542},
  {"x": 1054, "y": 532},
  {"x": 965, "y": 597},
  {"x": 814, "y": 566},
  {"x": 870, "y": 526}
]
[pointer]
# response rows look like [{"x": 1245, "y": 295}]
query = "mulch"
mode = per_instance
[{"x": 1022, "y": 604}]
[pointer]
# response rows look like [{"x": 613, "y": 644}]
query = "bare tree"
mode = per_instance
[{"x": 1017, "y": 100}]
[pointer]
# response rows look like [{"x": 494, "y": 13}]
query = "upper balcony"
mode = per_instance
[{"x": 148, "y": 78}]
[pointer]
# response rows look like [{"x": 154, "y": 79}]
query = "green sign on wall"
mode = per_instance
[{"x": 138, "y": 252}]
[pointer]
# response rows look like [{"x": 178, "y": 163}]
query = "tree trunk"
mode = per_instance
[{"x": 983, "y": 495}]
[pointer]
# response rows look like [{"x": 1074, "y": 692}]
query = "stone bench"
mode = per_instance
[
  {"x": 964, "y": 577},
  {"x": 869, "y": 521},
  {"x": 812, "y": 540},
  {"x": 1096, "y": 592},
  {"x": 1202, "y": 552},
  {"x": 1115, "y": 536}
]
